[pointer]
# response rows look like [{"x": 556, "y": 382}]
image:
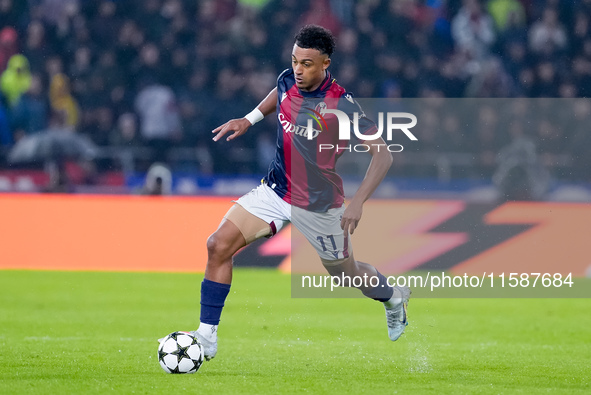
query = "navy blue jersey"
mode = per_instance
[{"x": 302, "y": 174}]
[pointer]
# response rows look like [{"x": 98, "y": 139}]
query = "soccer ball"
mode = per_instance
[{"x": 180, "y": 352}]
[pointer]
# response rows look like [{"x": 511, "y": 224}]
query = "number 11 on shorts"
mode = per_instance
[{"x": 331, "y": 238}]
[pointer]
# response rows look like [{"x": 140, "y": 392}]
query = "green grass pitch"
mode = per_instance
[{"x": 91, "y": 332}]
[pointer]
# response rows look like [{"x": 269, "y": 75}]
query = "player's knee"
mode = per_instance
[
  {"x": 217, "y": 247},
  {"x": 346, "y": 266}
]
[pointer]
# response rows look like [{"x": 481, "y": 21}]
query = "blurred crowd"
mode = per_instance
[{"x": 162, "y": 74}]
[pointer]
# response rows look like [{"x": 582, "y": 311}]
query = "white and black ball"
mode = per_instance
[{"x": 180, "y": 352}]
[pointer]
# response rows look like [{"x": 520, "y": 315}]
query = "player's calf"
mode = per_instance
[{"x": 395, "y": 299}]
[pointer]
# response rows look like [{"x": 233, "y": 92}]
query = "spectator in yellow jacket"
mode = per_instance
[
  {"x": 16, "y": 79},
  {"x": 62, "y": 101}
]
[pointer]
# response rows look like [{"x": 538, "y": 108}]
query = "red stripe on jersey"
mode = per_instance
[
  {"x": 326, "y": 159},
  {"x": 297, "y": 176}
]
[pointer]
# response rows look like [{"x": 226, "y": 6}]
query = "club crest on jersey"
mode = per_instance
[{"x": 320, "y": 107}]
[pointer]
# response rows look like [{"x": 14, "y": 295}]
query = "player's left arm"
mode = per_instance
[{"x": 380, "y": 163}]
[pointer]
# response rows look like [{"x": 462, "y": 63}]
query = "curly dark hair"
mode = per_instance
[{"x": 316, "y": 37}]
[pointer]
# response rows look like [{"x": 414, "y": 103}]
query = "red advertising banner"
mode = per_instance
[{"x": 138, "y": 233}]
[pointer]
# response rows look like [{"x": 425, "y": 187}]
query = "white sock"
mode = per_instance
[
  {"x": 395, "y": 300},
  {"x": 210, "y": 332}
]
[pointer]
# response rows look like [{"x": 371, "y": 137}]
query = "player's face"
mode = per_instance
[{"x": 309, "y": 66}]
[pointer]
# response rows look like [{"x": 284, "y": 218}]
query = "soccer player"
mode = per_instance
[{"x": 301, "y": 187}]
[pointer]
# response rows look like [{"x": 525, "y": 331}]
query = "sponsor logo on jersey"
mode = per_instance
[{"x": 298, "y": 130}]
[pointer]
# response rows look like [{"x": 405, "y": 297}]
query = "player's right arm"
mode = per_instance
[{"x": 240, "y": 125}]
